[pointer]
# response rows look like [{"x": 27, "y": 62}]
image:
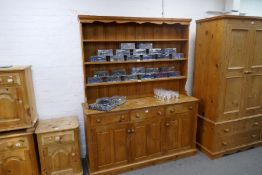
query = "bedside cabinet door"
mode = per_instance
[
  {"x": 12, "y": 108},
  {"x": 60, "y": 159},
  {"x": 15, "y": 163}
]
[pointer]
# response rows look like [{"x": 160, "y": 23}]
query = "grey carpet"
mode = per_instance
[{"x": 243, "y": 163}]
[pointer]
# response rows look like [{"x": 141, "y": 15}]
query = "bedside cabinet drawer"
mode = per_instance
[
  {"x": 10, "y": 79},
  {"x": 13, "y": 144},
  {"x": 58, "y": 138},
  {"x": 110, "y": 118},
  {"x": 146, "y": 113},
  {"x": 181, "y": 108}
]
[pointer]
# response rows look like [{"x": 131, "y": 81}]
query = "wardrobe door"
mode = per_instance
[
  {"x": 253, "y": 96},
  {"x": 237, "y": 56}
]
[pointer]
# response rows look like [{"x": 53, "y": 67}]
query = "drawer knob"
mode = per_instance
[
  {"x": 73, "y": 154},
  {"x": 167, "y": 124},
  {"x": 57, "y": 138},
  {"x": 132, "y": 130},
  {"x": 224, "y": 143},
  {"x": 128, "y": 130},
  {"x": 10, "y": 80},
  {"x": 254, "y": 136},
  {"x": 137, "y": 116},
  {"x": 226, "y": 130},
  {"x": 159, "y": 113},
  {"x": 122, "y": 118},
  {"x": 18, "y": 145},
  {"x": 255, "y": 124},
  {"x": 10, "y": 145},
  {"x": 172, "y": 110},
  {"x": 190, "y": 107},
  {"x": 98, "y": 120},
  {"x": 146, "y": 111}
]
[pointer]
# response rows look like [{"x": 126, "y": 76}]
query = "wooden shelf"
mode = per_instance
[
  {"x": 134, "y": 40},
  {"x": 136, "y": 61},
  {"x": 136, "y": 81}
]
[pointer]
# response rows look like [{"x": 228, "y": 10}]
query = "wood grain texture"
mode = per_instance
[
  {"x": 58, "y": 145},
  {"x": 108, "y": 32},
  {"x": 141, "y": 132},
  {"x": 17, "y": 99},
  {"x": 227, "y": 79},
  {"x": 17, "y": 154}
]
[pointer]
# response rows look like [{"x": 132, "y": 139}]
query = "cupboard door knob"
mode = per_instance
[
  {"x": 98, "y": 120},
  {"x": 167, "y": 124},
  {"x": 255, "y": 124},
  {"x": 57, "y": 138},
  {"x": 159, "y": 113},
  {"x": 254, "y": 136},
  {"x": 190, "y": 107},
  {"x": 132, "y": 130},
  {"x": 172, "y": 110},
  {"x": 128, "y": 130},
  {"x": 137, "y": 116},
  {"x": 226, "y": 130},
  {"x": 224, "y": 143},
  {"x": 73, "y": 154}
]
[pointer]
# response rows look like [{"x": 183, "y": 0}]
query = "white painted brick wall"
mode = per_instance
[{"x": 45, "y": 34}]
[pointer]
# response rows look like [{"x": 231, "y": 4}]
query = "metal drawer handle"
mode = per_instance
[{"x": 226, "y": 130}]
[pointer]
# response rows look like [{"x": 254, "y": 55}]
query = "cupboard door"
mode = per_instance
[
  {"x": 253, "y": 98},
  {"x": 110, "y": 145},
  {"x": 172, "y": 141},
  {"x": 15, "y": 163},
  {"x": 187, "y": 126},
  {"x": 12, "y": 110},
  {"x": 237, "y": 56},
  {"x": 59, "y": 159},
  {"x": 146, "y": 139}
]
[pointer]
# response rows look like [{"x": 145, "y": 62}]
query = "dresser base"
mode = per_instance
[{"x": 153, "y": 161}]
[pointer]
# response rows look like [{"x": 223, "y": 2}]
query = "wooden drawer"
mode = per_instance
[
  {"x": 239, "y": 126},
  {"x": 147, "y": 113},
  {"x": 10, "y": 79},
  {"x": 110, "y": 118},
  {"x": 255, "y": 123},
  {"x": 180, "y": 108},
  {"x": 12, "y": 144},
  {"x": 58, "y": 138},
  {"x": 236, "y": 140}
]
